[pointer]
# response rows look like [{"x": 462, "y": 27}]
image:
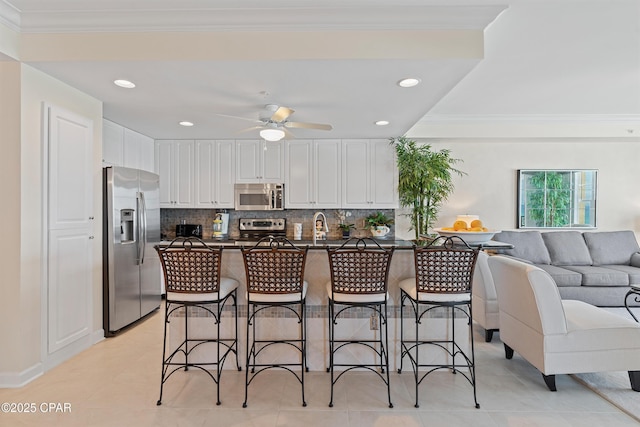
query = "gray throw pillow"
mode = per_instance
[
  {"x": 611, "y": 247},
  {"x": 567, "y": 248},
  {"x": 526, "y": 245}
]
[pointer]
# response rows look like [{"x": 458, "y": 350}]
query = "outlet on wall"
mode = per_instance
[{"x": 373, "y": 322}]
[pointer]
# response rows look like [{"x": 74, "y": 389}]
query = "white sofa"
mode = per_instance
[
  {"x": 560, "y": 336},
  {"x": 484, "y": 298}
]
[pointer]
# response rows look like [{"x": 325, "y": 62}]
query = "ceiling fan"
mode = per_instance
[{"x": 274, "y": 121}]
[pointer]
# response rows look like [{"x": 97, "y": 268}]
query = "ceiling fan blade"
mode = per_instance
[
  {"x": 287, "y": 134},
  {"x": 250, "y": 129},
  {"x": 238, "y": 117},
  {"x": 281, "y": 114},
  {"x": 302, "y": 125}
]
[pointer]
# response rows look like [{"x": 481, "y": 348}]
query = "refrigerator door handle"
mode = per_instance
[
  {"x": 138, "y": 228},
  {"x": 143, "y": 214}
]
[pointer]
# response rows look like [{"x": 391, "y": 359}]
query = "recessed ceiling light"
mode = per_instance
[
  {"x": 382, "y": 122},
  {"x": 186, "y": 123},
  {"x": 409, "y": 82},
  {"x": 124, "y": 83}
]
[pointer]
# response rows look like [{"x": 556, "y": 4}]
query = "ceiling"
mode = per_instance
[{"x": 335, "y": 61}]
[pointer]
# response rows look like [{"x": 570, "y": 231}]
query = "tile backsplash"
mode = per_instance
[{"x": 169, "y": 218}]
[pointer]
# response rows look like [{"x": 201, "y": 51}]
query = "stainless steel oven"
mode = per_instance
[{"x": 259, "y": 197}]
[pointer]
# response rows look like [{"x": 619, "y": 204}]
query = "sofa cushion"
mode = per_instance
[
  {"x": 600, "y": 276},
  {"x": 611, "y": 247},
  {"x": 633, "y": 272},
  {"x": 527, "y": 245},
  {"x": 567, "y": 248},
  {"x": 562, "y": 276}
]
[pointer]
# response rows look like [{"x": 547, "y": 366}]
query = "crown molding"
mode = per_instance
[
  {"x": 529, "y": 118},
  {"x": 334, "y": 16},
  {"x": 9, "y": 16}
]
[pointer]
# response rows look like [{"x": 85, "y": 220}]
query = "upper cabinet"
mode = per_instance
[
  {"x": 312, "y": 174},
  {"x": 214, "y": 174},
  {"x": 138, "y": 151},
  {"x": 175, "y": 165},
  {"x": 259, "y": 161},
  {"x": 112, "y": 143},
  {"x": 124, "y": 147},
  {"x": 369, "y": 174}
]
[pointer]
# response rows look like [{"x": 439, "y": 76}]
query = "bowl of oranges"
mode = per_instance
[{"x": 473, "y": 233}]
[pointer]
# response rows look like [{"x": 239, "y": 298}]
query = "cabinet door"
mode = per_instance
[
  {"x": 298, "y": 176},
  {"x": 272, "y": 161},
  {"x": 248, "y": 159},
  {"x": 164, "y": 158},
  {"x": 147, "y": 148},
  {"x": 174, "y": 162},
  {"x": 327, "y": 173},
  {"x": 214, "y": 174},
  {"x": 132, "y": 147},
  {"x": 204, "y": 174},
  {"x": 183, "y": 174},
  {"x": 224, "y": 166},
  {"x": 112, "y": 143},
  {"x": 355, "y": 174},
  {"x": 384, "y": 175}
]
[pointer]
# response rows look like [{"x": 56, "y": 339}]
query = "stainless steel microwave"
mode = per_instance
[{"x": 259, "y": 197}]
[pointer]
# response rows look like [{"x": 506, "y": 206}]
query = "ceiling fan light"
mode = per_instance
[{"x": 272, "y": 134}]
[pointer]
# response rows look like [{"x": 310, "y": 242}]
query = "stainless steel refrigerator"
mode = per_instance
[{"x": 131, "y": 268}]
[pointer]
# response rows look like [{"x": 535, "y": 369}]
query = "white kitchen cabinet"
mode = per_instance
[
  {"x": 175, "y": 165},
  {"x": 369, "y": 174},
  {"x": 138, "y": 151},
  {"x": 214, "y": 174},
  {"x": 112, "y": 144},
  {"x": 125, "y": 147},
  {"x": 259, "y": 161},
  {"x": 312, "y": 174}
]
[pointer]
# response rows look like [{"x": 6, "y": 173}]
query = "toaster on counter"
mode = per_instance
[{"x": 189, "y": 230}]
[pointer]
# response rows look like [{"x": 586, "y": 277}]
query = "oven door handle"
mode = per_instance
[{"x": 273, "y": 199}]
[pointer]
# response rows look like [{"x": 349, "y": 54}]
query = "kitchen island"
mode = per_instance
[{"x": 317, "y": 274}]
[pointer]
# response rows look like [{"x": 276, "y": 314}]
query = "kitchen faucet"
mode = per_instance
[{"x": 321, "y": 232}]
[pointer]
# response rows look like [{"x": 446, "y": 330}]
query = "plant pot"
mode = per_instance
[{"x": 346, "y": 234}]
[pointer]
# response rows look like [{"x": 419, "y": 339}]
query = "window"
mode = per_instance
[{"x": 557, "y": 198}]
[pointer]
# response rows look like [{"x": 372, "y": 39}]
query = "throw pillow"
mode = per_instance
[
  {"x": 567, "y": 248},
  {"x": 611, "y": 247},
  {"x": 527, "y": 245}
]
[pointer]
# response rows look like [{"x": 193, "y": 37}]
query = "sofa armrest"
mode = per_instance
[{"x": 635, "y": 259}]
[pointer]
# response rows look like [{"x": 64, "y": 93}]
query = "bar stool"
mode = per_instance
[
  {"x": 444, "y": 273},
  {"x": 359, "y": 275},
  {"x": 193, "y": 282},
  {"x": 275, "y": 280}
]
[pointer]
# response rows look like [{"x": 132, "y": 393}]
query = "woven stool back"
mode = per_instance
[
  {"x": 445, "y": 268},
  {"x": 277, "y": 268},
  {"x": 363, "y": 269},
  {"x": 190, "y": 266}
]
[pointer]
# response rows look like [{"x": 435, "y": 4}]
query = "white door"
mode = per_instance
[{"x": 69, "y": 139}]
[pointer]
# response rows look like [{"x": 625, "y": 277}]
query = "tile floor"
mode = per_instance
[{"x": 116, "y": 383}]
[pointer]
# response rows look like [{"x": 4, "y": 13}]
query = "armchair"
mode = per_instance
[
  {"x": 560, "y": 336},
  {"x": 485, "y": 300}
]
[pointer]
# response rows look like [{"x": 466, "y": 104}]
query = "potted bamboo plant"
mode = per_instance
[{"x": 424, "y": 181}]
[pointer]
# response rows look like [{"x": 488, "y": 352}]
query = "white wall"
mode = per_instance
[
  {"x": 23, "y": 353},
  {"x": 489, "y": 187}
]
